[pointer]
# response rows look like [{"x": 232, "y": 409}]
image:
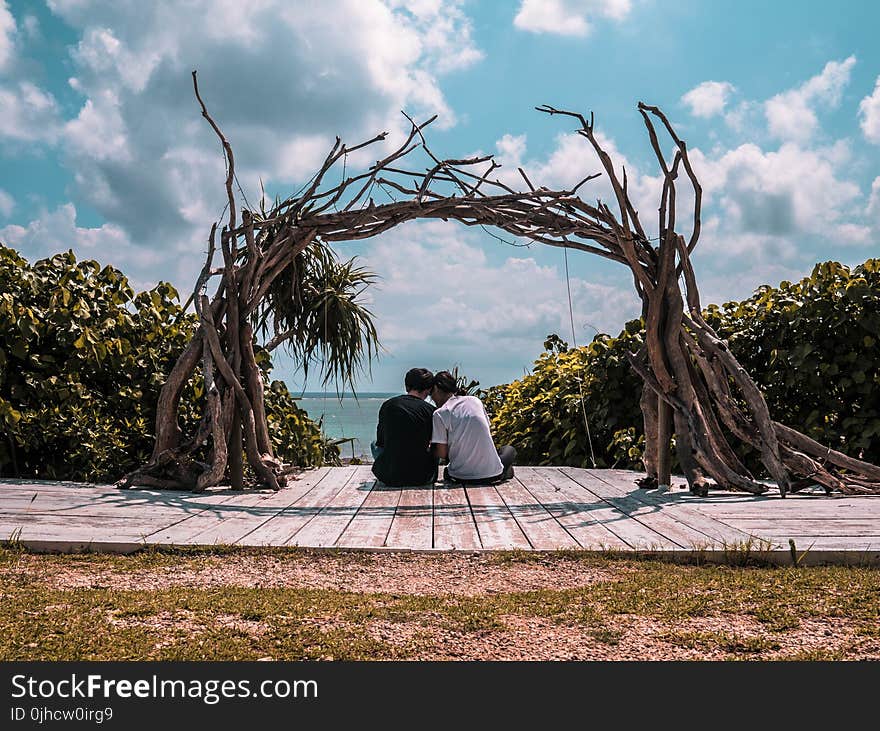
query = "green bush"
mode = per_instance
[
  {"x": 812, "y": 346},
  {"x": 82, "y": 360},
  {"x": 542, "y": 414}
]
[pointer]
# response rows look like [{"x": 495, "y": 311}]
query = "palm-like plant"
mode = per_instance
[{"x": 315, "y": 308}]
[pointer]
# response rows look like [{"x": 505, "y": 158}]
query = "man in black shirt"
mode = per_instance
[{"x": 403, "y": 436}]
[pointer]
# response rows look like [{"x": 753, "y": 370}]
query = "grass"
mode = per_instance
[{"x": 39, "y": 621}]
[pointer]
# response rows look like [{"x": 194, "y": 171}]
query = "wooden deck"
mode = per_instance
[{"x": 543, "y": 509}]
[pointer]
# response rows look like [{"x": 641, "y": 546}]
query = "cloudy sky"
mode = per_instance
[{"x": 103, "y": 150}]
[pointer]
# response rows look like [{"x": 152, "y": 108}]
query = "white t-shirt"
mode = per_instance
[{"x": 463, "y": 424}]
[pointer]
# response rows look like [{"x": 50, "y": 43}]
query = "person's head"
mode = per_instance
[
  {"x": 418, "y": 382},
  {"x": 445, "y": 387}
]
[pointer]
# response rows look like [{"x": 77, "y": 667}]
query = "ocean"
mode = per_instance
[{"x": 346, "y": 417}]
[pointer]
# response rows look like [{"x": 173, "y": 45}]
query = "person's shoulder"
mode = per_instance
[
  {"x": 390, "y": 404},
  {"x": 444, "y": 409}
]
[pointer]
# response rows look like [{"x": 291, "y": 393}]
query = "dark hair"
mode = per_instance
[
  {"x": 447, "y": 383},
  {"x": 418, "y": 379}
]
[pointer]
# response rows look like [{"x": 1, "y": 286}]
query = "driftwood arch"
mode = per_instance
[{"x": 694, "y": 387}]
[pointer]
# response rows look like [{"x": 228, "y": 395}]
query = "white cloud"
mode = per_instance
[
  {"x": 29, "y": 114},
  {"x": 874, "y": 203},
  {"x": 723, "y": 284},
  {"x": 709, "y": 98},
  {"x": 571, "y": 160},
  {"x": 440, "y": 295},
  {"x": 30, "y": 24},
  {"x": 791, "y": 115},
  {"x": 445, "y": 32},
  {"x": 280, "y": 79},
  {"x": 869, "y": 111},
  {"x": 7, "y": 203},
  {"x": 511, "y": 149},
  {"x": 7, "y": 33},
  {"x": 788, "y": 193},
  {"x": 568, "y": 17},
  {"x": 746, "y": 118},
  {"x": 98, "y": 131},
  {"x": 766, "y": 213},
  {"x": 57, "y": 230}
]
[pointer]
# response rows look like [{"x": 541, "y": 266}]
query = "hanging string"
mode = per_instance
[{"x": 574, "y": 345}]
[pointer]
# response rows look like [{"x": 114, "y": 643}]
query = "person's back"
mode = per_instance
[
  {"x": 403, "y": 435},
  {"x": 463, "y": 425}
]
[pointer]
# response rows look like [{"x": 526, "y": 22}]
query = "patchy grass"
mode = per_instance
[{"x": 636, "y": 609}]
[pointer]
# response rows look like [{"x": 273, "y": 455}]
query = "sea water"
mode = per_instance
[{"x": 346, "y": 417}]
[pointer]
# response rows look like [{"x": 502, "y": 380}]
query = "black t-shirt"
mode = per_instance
[{"x": 404, "y": 432}]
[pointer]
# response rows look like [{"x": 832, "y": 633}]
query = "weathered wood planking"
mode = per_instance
[
  {"x": 651, "y": 516},
  {"x": 795, "y": 508},
  {"x": 842, "y": 527},
  {"x": 496, "y": 525},
  {"x": 102, "y": 501},
  {"x": 634, "y": 533},
  {"x": 370, "y": 526},
  {"x": 325, "y": 528},
  {"x": 278, "y": 529},
  {"x": 413, "y": 524},
  {"x": 855, "y": 544},
  {"x": 454, "y": 526},
  {"x": 540, "y": 527},
  {"x": 671, "y": 504},
  {"x": 77, "y": 529},
  {"x": 543, "y": 508},
  {"x": 578, "y": 519},
  {"x": 237, "y": 516}
]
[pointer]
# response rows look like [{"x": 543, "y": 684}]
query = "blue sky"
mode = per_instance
[{"x": 102, "y": 148}]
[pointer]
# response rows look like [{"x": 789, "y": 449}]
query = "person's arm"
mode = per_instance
[
  {"x": 439, "y": 438},
  {"x": 380, "y": 427}
]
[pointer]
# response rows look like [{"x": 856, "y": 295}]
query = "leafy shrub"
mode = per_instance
[
  {"x": 82, "y": 361},
  {"x": 812, "y": 346},
  {"x": 542, "y": 414}
]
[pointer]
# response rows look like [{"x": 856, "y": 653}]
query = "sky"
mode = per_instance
[{"x": 103, "y": 149}]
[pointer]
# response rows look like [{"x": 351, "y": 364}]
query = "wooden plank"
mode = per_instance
[
  {"x": 571, "y": 513},
  {"x": 650, "y": 516},
  {"x": 496, "y": 525},
  {"x": 281, "y": 527},
  {"x": 854, "y": 544},
  {"x": 670, "y": 503},
  {"x": 120, "y": 502},
  {"x": 454, "y": 526},
  {"x": 634, "y": 533},
  {"x": 75, "y": 500},
  {"x": 809, "y": 527},
  {"x": 370, "y": 526},
  {"x": 237, "y": 515},
  {"x": 540, "y": 527},
  {"x": 793, "y": 509},
  {"x": 413, "y": 523},
  {"x": 78, "y": 529},
  {"x": 543, "y": 508},
  {"x": 244, "y": 513},
  {"x": 325, "y": 528},
  {"x": 55, "y": 488}
]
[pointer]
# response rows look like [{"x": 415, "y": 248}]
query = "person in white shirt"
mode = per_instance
[{"x": 461, "y": 435}]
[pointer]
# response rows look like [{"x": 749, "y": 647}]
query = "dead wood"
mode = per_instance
[{"x": 705, "y": 396}]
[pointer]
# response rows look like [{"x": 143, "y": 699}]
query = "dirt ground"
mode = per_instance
[{"x": 421, "y": 632}]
